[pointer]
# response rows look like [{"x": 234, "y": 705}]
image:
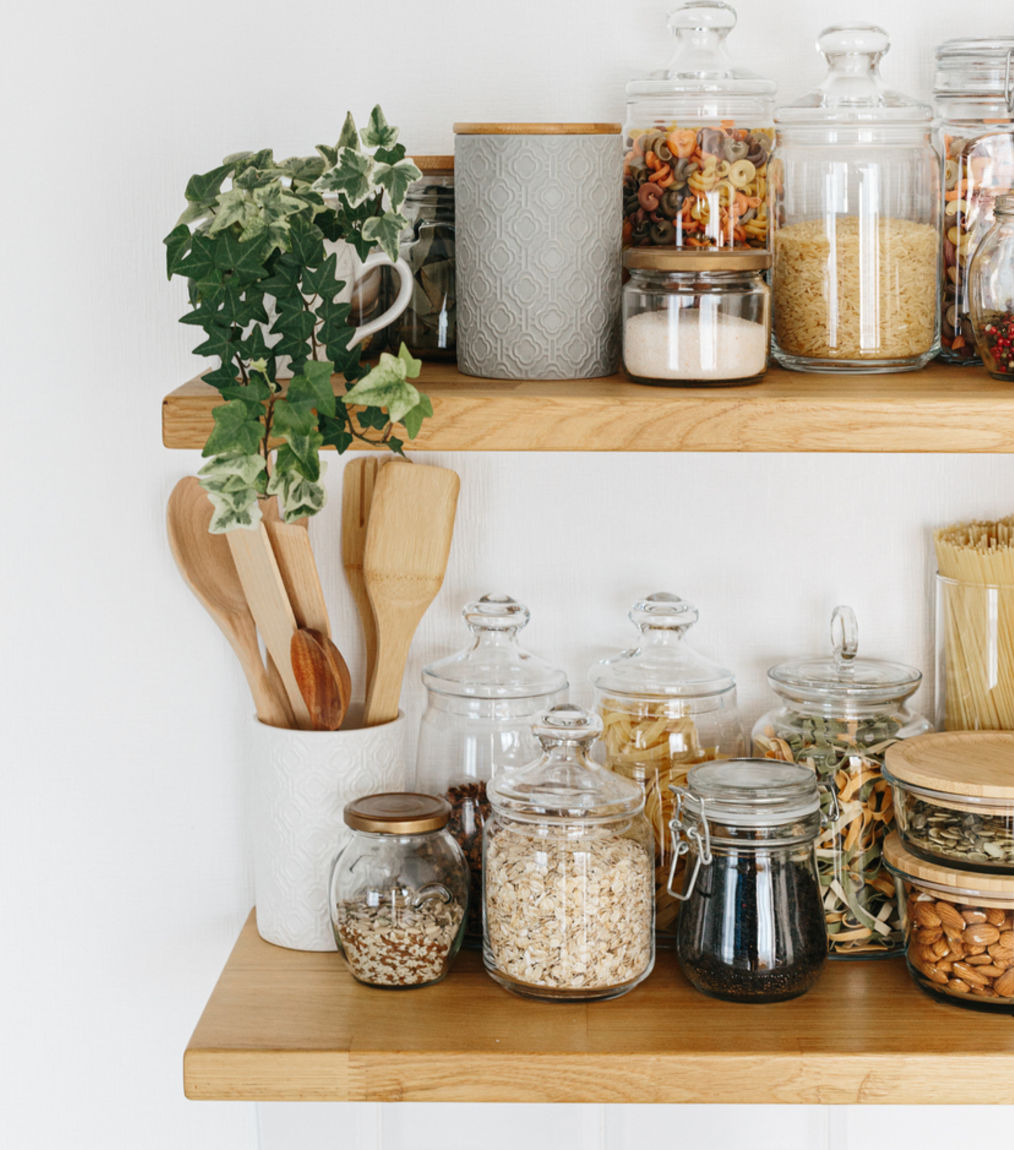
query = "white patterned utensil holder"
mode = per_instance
[
  {"x": 538, "y": 220},
  {"x": 300, "y": 783}
]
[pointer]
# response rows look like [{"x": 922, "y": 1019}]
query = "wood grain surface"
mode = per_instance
[
  {"x": 979, "y": 764},
  {"x": 941, "y": 408},
  {"x": 290, "y": 1025}
]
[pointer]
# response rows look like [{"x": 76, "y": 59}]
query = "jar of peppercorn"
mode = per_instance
[{"x": 991, "y": 292}]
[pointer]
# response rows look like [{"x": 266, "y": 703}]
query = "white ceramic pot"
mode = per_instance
[{"x": 300, "y": 783}]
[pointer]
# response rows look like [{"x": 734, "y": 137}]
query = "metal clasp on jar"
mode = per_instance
[{"x": 684, "y": 836}]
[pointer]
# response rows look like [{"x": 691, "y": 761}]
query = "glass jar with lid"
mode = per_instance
[
  {"x": 399, "y": 890},
  {"x": 697, "y": 141},
  {"x": 664, "y": 707},
  {"x": 751, "y": 928},
  {"x": 567, "y": 871},
  {"x": 974, "y": 100},
  {"x": 856, "y": 218},
  {"x": 696, "y": 317},
  {"x": 991, "y": 292},
  {"x": 480, "y": 706},
  {"x": 838, "y": 716}
]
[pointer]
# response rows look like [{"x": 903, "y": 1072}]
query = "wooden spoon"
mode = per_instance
[
  {"x": 207, "y": 568},
  {"x": 338, "y": 666},
  {"x": 407, "y": 543},
  {"x": 294, "y": 555},
  {"x": 358, "y": 481},
  {"x": 318, "y": 683}
]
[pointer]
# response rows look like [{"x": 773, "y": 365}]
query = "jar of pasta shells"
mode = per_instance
[
  {"x": 664, "y": 707},
  {"x": 697, "y": 141},
  {"x": 567, "y": 871},
  {"x": 839, "y": 715}
]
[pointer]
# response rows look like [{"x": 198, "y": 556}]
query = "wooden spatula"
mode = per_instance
[
  {"x": 297, "y": 566},
  {"x": 358, "y": 481},
  {"x": 407, "y": 542}
]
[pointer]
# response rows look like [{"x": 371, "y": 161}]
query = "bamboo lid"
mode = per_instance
[
  {"x": 659, "y": 259},
  {"x": 397, "y": 813},
  {"x": 979, "y": 764},
  {"x": 433, "y": 165},
  {"x": 967, "y": 885},
  {"x": 486, "y": 129}
]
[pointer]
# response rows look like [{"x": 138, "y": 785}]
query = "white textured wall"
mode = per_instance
[{"x": 121, "y": 845}]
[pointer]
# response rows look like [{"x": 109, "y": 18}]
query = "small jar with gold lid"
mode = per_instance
[{"x": 399, "y": 891}]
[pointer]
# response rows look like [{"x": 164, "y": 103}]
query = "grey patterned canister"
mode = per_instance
[{"x": 538, "y": 220}]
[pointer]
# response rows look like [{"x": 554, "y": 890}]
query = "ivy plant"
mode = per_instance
[{"x": 255, "y": 245}]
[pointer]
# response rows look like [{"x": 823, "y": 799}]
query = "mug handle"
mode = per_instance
[{"x": 380, "y": 259}]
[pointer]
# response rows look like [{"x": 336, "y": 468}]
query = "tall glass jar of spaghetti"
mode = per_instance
[
  {"x": 975, "y": 104},
  {"x": 664, "y": 707},
  {"x": 856, "y": 219},
  {"x": 697, "y": 141}
]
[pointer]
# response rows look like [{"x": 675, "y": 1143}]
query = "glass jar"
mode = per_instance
[
  {"x": 694, "y": 317},
  {"x": 399, "y": 891},
  {"x": 480, "y": 705},
  {"x": 697, "y": 141},
  {"x": 839, "y": 715},
  {"x": 751, "y": 928},
  {"x": 427, "y": 326},
  {"x": 975, "y": 104},
  {"x": 664, "y": 708},
  {"x": 856, "y": 219},
  {"x": 991, "y": 292},
  {"x": 567, "y": 871}
]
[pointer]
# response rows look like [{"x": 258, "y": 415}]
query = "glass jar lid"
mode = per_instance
[
  {"x": 751, "y": 792},
  {"x": 662, "y": 664},
  {"x": 397, "y": 813},
  {"x": 976, "y": 67},
  {"x": 843, "y": 676},
  {"x": 853, "y": 92},
  {"x": 563, "y": 783},
  {"x": 654, "y": 259},
  {"x": 965, "y": 885},
  {"x": 494, "y": 666},
  {"x": 970, "y": 764},
  {"x": 701, "y": 62}
]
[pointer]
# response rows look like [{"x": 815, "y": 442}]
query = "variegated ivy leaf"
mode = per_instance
[
  {"x": 396, "y": 178},
  {"x": 297, "y": 496},
  {"x": 303, "y": 169},
  {"x": 349, "y": 137},
  {"x": 237, "y": 430},
  {"x": 312, "y": 387},
  {"x": 233, "y": 207},
  {"x": 351, "y": 177},
  {"x": 233, "y": 482},
  {"x": 385, "y": 230},
  {"x": 385, "y": 386},
  {"x": 378, "y": 133}
]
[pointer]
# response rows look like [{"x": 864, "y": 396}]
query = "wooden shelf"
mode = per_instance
[
  {"x": 942, "y": 408},
  {"x": 290, "y": 1025}
]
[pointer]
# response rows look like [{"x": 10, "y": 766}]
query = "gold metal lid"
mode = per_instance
[
  {"x": 397, "y": 813},
  {"x": 979, "y": 764},
  {"x": 487, "y": 129},
  {"x": 966, "y": 886},
  {"x": 667, "y": 260}
]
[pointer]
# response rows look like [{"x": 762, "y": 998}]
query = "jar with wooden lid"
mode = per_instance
[
  {"x": 959, "y": 930},
  {"x": 991, "y": 292},
  {"x": 697, "y": 142},
  {"x": 696, "y": 317},
  {"x": 954, "y": 798}
]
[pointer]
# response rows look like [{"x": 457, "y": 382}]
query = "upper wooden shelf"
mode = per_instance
[
  {"x": 941, "y": 408},
  {"x": 291, "y": 1025}
]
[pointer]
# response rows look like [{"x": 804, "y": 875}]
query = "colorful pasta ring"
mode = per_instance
[
  {"x": 722, "y": 169},
  {"x": 742, "y": 174}
]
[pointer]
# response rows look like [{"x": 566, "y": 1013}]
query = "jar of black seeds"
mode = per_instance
[{"x": 751, "y": 928}]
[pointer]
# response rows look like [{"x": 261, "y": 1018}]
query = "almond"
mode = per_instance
[
  {"x": 925, "y": 915},
  {"x": 957, "y": 986},
  {"x": 949, "y": 916},
  {"x": 970, "y": 974},
  {"x": 972, "y": 915},
  {"x": 981, "y": 934},
  {"x": 995, "y": 916},
  {"x": 1004, "y": 985}
]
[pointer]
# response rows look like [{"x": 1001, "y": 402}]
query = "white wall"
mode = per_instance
[{"x": 121, "y": 845}]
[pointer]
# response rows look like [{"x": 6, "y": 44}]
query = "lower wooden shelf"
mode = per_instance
[{"x": 288, "y": 1025}]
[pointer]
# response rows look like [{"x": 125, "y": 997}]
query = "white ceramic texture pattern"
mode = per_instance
[
  {"x": 538, "y": 253},
  {"x": 300, "y": 783}
]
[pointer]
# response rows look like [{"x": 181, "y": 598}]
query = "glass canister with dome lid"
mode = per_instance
[
  {"x": 480, "y": 706},
  {"x": 855, "y": 218},
  {"x": 664, "y": 707},
  {"x": 839, "y": 713},
  {"x": 697, "y": 141}
]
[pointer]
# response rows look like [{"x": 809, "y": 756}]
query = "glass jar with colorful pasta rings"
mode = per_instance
[
  {"x": 838, "y": 716},
  {"x": 697, "y": 141},
  {"x": 974, "y": 100},
  {"x": 856, "y": 219},
  {"x": 991, "y": 292},
  {"x": 664, "y": 707}
]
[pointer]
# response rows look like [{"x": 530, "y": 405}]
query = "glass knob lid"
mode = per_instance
[
  {"x": 496, "y": 612},
  {"x": 566, "y": 723}
]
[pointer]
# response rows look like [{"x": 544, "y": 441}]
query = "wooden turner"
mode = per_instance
[
  {"x": 358, "y": 482},
  {"x": 407, "y": 543},
  {"x": 297, "y": 566}
]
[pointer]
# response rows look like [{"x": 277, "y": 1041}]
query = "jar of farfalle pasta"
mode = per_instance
[{"x": 664, "y": 707}]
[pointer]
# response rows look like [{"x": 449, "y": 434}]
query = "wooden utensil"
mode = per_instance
[
  {"x": 206, "y": 565},
  {"x": 358, "y": 482},
  {"x": 294, "y": 555},
  {"x": 338, "y": 666},
  {"x": 407, "y": 542},
  {"x": 318, "y": 683},
  {"x": 269, "y": 604}
]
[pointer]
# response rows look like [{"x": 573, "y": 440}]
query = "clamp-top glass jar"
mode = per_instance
[
  {"x": 480, "y": 707},
  {"x": 751, "y": 928},
  {"x": 975, "y": 103},
  {"x": 991, "y": 293},
  {"x": 839, "y": 715},
  {"x": 567, "y": 866},
  {"x": 664, "y": 708},
  {"x": 697, "y": 141},
  {"x": 856, "y": 219}
]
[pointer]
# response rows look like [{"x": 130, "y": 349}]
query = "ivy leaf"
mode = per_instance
[
  {"x": 335, "y": 433},
  {"x": 307, "y": 244},
  {"x": 385, "y": 386},
  {"x": 177, "y": 243},
  {"x": 244, "y": 260},
  {"x": 390, "y": 155},
  {"x": 396, "y": 445},
  {"x": 351, "y": 177},
  {"x": 301, "y": 453},
  {"x": 413, "y": 419},
  {"x": 255, "y": 392},
  {"x": 219, "y": 342},
  {"x": 372, "y": 418},
  {"x": 349, "y": 137},
  {"x": 243, "y": 162},
  {"x": 233, "y": 481},
  {"x": 322, "y": 280},
  {"x": 221, "y": 377},
  {"x": 199, "y": 262},
  {"x": 313, "y": 387},
  {"x": 293, "y": 421},
  {"x": 303, "y": 169},
  {"x": 236, "y": 431},
  {"x": 232, "y": 207},
  {"x": 202, "y": 190},
  {"x": 297, "y": 495},
  {"x": 396, "y": 178},
  {"x": 378, "y": 133},
  {"x": 385, "y": 230},
  {"x": 413, "y": 366}
]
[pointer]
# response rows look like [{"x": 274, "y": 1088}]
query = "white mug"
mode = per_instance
[{"x": 362, "y": 278}]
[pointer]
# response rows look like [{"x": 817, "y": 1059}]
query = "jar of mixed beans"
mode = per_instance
[{"x": 975, "y": 105}]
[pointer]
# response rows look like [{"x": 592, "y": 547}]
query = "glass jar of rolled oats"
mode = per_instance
[{"x": 568, "y": 871}]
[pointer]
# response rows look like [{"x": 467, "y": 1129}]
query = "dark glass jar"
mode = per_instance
[{"x": 752, "y": 927}]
